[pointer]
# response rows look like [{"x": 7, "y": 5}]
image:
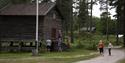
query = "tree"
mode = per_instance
[
  {"x": 71, "y": 21},
  {"x": 91, "y": 3},
  {"x": 83, "y": 13},
  {"x": 75, "y": 14},
  {"x": 124, "y": 20},
  {"x": 104, "y": 7},
  {"x": 101, "y": 24},
  {"x": 119, "y": 5},
  {"x": 91, "y": 15},
  {"x": 65, "y": 6}
]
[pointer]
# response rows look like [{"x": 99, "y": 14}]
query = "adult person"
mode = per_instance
[
  {"x": 59, "y": 44},
  {"x": 59, "y": 39},
  {"x": 48, "y": 43},
  {"x": 101, "y": 47},
  {"x": 109, "y": 48}
]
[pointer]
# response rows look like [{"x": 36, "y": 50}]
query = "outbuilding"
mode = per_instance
[{"x": 18, "y": 22}]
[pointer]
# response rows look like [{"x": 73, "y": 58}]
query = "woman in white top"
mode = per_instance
[{"x": 109, "y": 48}]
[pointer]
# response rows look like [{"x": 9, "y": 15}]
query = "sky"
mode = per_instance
[{"x": 97, "y": 12}]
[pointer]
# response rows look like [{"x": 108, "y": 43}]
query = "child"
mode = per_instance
[{"x": 109, "y": 48}]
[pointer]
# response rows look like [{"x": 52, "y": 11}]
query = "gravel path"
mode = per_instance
[{"x": 116, "y": 55}]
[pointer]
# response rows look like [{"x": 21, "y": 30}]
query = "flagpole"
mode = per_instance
[{"x": 37, "y": 21}]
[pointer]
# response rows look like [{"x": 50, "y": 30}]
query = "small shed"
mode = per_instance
[{"x": 18, "y": 22}]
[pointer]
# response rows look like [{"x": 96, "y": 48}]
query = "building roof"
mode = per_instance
[{"x": 27, "y": 9}]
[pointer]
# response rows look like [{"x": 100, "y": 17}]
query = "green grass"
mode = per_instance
[{"x": 48, "y": 57}]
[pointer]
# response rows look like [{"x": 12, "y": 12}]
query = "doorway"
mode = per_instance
[{"x": 53, "y": 33}]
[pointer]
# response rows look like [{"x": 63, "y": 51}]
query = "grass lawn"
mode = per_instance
[{"x": 48, "y": 57}]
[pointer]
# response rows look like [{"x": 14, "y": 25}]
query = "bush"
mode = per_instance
[
  {"x": 90, "y": 41},
  {"x": 86, "y": 44}
]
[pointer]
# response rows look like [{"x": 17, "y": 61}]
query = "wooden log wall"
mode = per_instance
[{"x": 17, "y": 28}]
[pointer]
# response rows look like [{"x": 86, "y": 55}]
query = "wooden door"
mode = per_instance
[{"x": 53, "y": 33}]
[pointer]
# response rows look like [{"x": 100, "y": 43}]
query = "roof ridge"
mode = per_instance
[
  {"x": 49, "y": 9},
  {"x": 27, "y": 9}
]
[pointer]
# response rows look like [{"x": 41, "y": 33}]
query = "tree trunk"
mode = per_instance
[
  {"x": 107, "y": 29},
  {"x": 117, "y": 29},
  {"x": 0, "y": 46},
  {"x": 124, "y": 40},
  {"x": 71, "y": 22},
  {"x": 124, "y": 23},
  {"x": 117, "y": 33},
  {"x": 87, "y": 25},
  {"x": 91, "y": 16}
]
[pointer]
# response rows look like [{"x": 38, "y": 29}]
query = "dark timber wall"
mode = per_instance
[
  {"x": 52, "y": 24},
  {"x": 18, "y": 32},
  {"x": 18, "y": 27}
]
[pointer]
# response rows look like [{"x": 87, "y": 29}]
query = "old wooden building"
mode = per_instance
[{"x": 18, "y": 22}]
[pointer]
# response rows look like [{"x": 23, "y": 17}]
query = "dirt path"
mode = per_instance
[{"x": 116, "y": 55}]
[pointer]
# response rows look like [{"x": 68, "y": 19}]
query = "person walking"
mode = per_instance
[
  {"x": 48, "y": 43},
  {"x": 59, "y": 45},
  {"x": 60, "y": 41},
  {"x": 109, "y": 48},
  {"x": 101, "y": 47}
]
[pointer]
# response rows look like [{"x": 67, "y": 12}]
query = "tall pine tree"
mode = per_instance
[
  {"x": 65, "y": 6},
  {"x": 120, "y": 8}
]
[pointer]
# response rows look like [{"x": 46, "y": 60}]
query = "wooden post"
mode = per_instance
[{"x": 123, "y": 19}]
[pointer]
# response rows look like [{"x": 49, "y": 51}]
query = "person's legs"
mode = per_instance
[
  {"x": 100, "y": 50},
  {"x": 48, "y": 48},
  {"x": 109, "y": 51}
]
